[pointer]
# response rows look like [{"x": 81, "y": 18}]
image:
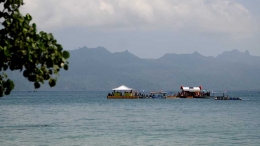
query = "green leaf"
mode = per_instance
[
  {"x": 26, "y": 73},
  {"x": 7, "y": 92},
  {"x": 5, "y": 75},
  {"x": 66, "y": 54},
  {"x": 50, "y": 36},
  {"x": 41, "y": 79},
  {"x": 56, "y": 71},
  {"x": 25, "y": 30},
  {"x": 66, "y": 67},
  {"x": 37, "y": 85},
  {"x": 56, "y": 67},
  {"x": 32, "y": 78},
  {"x": 52, "y": 82},
  {"x": 6, "y": 52},
  {"x": 28, "y": 17},
  {"x": 34, "y": 26},
  {"x": 9, "y": 84},
  {"x": 39, "y": 72}
]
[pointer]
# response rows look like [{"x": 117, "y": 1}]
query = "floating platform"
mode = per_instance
[
  {"x": 122, "y": 97},
  {"x": 171, "y": 96}
]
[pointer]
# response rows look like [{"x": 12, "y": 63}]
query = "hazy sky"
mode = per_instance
[{"x": 151, "y": 28}]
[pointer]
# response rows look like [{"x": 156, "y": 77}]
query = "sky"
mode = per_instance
[{"x": 151, "y": 28}]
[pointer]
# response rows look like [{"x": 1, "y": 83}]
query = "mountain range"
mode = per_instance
[{"x": 97, "y": 69}]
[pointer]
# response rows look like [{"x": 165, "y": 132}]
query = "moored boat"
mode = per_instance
[
  {"x": 158, "y": 95},
  {"x": 227, "y": 98},
  {"x": 224, "y": 96}
]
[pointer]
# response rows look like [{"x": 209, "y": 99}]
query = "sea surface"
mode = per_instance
[{"x": 90, "y": 119}]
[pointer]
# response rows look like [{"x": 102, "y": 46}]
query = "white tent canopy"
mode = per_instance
[
  {"x": 122, "y": 88},
  {"x": 191, "y": 89}
]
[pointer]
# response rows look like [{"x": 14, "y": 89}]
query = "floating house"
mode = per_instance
[{"x": 193, "y": 92}]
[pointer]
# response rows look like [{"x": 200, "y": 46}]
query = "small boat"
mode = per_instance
[
  {"x": 224, "y": 96},
  {"x": 160, "y": 95},
  {"x": 227, "y": 98}
]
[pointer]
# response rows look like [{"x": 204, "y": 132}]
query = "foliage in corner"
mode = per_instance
[{"x": 37, "y": 55}]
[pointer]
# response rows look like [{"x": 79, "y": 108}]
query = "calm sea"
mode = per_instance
[{"x": 90, "y": 119}]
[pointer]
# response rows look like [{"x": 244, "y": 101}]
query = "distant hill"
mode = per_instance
[{"x": 96, "y": 69}]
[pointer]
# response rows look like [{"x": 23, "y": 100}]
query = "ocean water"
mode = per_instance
[{"x": 90, "y": 119}]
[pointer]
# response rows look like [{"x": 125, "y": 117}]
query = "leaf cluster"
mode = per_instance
[{"x": 37, "y": 55}]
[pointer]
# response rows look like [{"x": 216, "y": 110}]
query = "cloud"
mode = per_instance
[{"x": 204, "y": 16}]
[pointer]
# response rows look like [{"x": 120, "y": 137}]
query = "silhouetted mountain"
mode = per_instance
[
  {"x": 98, "y": 69},
  {"x": 239, "y": 57}
]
